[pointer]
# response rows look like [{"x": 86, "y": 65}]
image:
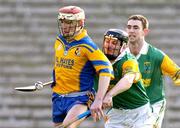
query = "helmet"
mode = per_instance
[
  {"x": 113, "y": 42},
  {"x": 70, "y": 21}
]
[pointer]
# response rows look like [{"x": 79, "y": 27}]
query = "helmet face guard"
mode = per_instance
[
  {"x": 70, "y": 21},
  {"x": 69, "y": 28},
  {"x": 113, "y": 42},
  {"x": 111, "y": 47}
]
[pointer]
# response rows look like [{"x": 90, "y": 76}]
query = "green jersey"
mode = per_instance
[
  {"x": 153, "y": 65},
  {"x": 135, "y": 96}
]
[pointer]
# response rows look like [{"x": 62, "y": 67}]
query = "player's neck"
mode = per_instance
[{"x": 135, "y": 47}]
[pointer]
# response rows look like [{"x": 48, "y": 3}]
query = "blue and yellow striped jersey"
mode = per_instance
[{"x": 77, "y": 63}]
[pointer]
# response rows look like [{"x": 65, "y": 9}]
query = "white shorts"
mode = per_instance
[
  {"x": 158, "y": 112},
  {"x": 130, "y": 118}
]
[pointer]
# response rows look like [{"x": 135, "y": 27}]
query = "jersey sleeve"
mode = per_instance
[
  {"x": 100, "y": 62},
  {"x": 170, "y": 68},
  {"x": 131, "y": 66}
]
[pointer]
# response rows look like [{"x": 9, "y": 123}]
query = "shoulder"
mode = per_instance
[
  {"x": 127, "y": 56},
  {"x": 155, "y": 52},
  {"x": 87, "y": 41},
  {"x": 58, "y": 41}
]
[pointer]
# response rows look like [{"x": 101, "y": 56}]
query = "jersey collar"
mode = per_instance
[{"x": 143, "y": 50}]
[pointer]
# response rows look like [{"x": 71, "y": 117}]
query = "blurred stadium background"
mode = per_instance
[{"x": 28, "y": 29}]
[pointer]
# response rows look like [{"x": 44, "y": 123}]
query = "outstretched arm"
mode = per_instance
[
  {"x": 96, "y": 107},
  {"x": 124, "y": 84},
  {"x": 170, "y": 68}
]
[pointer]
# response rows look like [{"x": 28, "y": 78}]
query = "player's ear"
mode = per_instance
[{"x": 146, "y": 31}]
